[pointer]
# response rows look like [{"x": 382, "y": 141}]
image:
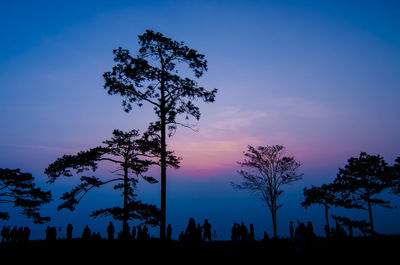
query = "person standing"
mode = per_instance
[
  {"x": 206, "y": 230},
  {"x": 291, "y": 230},
  {"x": 251, "y": 234},
  {"x": 110, "y": 231},
  {"x": 69, "y": 231},
  {"x": 169, "y": 232}
]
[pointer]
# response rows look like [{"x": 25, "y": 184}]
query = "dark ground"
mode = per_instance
[{"x": 93, "y": 251}]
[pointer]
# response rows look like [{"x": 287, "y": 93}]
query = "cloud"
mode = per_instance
[
  {"x": 235, "y": 118},
  {"x": 217, "y": 146}
]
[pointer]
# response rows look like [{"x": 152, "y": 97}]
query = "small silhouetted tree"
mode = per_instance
[
  {"x": 394, "y": 175},
  {"x": 19, "y": 189},
  {"x": 361, "y": 181},
  {"x": 362, "y": 225},
  {"x": 324, "y": 195},
  {"x": 130, "y": 154},
  {"x": 267, "y": 171},
  {"x": 153, "y": 77}
]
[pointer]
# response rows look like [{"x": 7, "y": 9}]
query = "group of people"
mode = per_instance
[
  {"x": 17, "y": 234},
  {"x": 137, "y": 233},
  {"x": 302, "y": 235},
  {"x": 195, "y": 233},
  {"x": 240, "y": 233},
  {"x": 337, "y": 231}
]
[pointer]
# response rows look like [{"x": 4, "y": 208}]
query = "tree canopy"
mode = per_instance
[{"x": 19, "y": 189}]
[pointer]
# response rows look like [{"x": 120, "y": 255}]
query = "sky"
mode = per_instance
[{"x": 321, "y": 78}]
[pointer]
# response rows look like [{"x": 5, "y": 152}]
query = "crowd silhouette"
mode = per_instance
[
  {"x": 302, "y": 238},
  {"x": 15, "y": 235},
  {"x": 240, "y": 233},
  {"x": 194, "y": 233}
]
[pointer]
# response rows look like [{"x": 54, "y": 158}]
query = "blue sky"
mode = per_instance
[{"x": 321, "y": 78}]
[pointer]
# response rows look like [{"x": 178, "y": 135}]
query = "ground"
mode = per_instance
[{"x": 93, "y": 251}]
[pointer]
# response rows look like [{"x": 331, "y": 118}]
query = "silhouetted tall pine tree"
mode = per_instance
[{"x": 153, "y": 77}]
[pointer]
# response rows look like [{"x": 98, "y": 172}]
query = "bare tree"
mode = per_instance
[{"x": 268, "y": 169}]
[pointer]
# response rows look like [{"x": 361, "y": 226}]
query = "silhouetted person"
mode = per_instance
[
  {"x": 96, "y": 236},
  {"x": 86, "y": 234},
  {"x": 235, "y": 232},
  {"x": 251, "y": 233},
  {"x": 20, "y": 235},
  {"x": 350, "y": 226},
  {"x": 47, "y": 233},
  {"x": 339, "y": 231},
  {"x": 169, "y": 232},
  {"x": 110, "y": 231},
  {"x": 26, "y": 234},
  {"x": 191, "y": 229},
  {"x": 181, "y": 239},
  {"x": 207, "y": 231},
  {"x": 69, "y": 231},
  {"x": 13, "y": 234},
  {"x": 243, "y": 232},
  {"x": 266, "y": 236},
  {"x": 199, "y": 231},
  {"x": 145, "y": 232},
  {"x": 139, "y": 233},
  {"x": 126, "y": 231},
  {"x": 51, "y": 233},
  {"x": 190, "y": 232},
  {"x": 300, "y": 237},
  {"x": 291, "y": 229},
  {"x": 310, "y": 230},
  {"x": 5, "y": 234},
  {"x": 327, "y": 231},
  {"x": 133, "y": 232}
]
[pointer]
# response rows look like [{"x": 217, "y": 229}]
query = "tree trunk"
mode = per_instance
[
  {"x": 125, "y": 228},
  {"x": 370, "y": 218},
  {"x": 273, "y": 213},
  {"x": 327, "y": 229},
  {"x": 275, "y": 226},
  {"x": 163, "y": 181},
  {"x": 163, "y": 158}
]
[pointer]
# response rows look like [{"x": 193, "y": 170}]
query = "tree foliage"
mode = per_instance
[
  {"x": 19, "y": 189},
  {"x": 153, "y": 77},
  {"x": 362, "y": 225},
  {"x": 394, "y": 175},
  {"x": 361, "y": 181},
  {"x": 324, "y": 195},
  {"x": 267, "y": 170},
  {"x": 131, "y": 156}
]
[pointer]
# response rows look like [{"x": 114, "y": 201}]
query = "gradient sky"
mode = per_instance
[{"x": 321, "y": 78}]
